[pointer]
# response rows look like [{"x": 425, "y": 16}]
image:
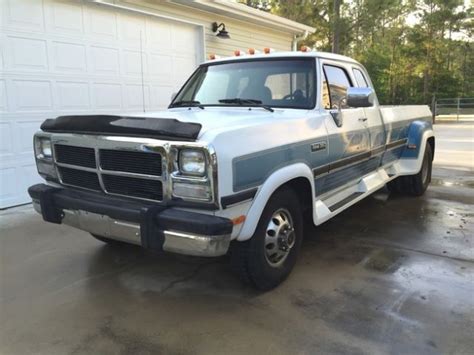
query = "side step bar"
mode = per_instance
[
  {"x": 328, "y": 207},
  {"x": 345, "y": 201}
]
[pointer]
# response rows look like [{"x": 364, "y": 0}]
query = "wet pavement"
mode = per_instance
[{"x": 390, "y": 275}]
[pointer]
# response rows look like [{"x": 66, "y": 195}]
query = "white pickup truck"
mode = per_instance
[{"x": 248, "y": 147}]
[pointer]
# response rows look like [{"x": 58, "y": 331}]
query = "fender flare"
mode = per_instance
[
  {"x": 411, "y": 159},
  {"x": 418, "y": 134},
  {"x": 271, "y": 184}
]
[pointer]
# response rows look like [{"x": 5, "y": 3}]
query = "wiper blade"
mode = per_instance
[
  {"x": 250, "y": 102},
  {"x": 190, "y": 103}
]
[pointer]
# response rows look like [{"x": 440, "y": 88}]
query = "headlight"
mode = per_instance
[
  {"x": 43, "y": 148},
  {"x": 192, "y": 162}
]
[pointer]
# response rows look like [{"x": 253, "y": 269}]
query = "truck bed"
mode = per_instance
[{"x": 392, "y": 114}]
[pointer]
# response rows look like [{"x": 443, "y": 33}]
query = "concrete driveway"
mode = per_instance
[{"x": 390, "y": 275}]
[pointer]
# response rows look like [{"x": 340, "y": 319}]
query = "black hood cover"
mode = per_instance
[{"x": 149, "y": 127}]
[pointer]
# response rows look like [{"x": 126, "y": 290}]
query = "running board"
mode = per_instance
[
  {"x": 345, "y": 201},
  {"x": 329, "y": 206}
]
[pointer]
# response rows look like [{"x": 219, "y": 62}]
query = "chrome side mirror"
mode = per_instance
[{"x": 360, "y": 97}]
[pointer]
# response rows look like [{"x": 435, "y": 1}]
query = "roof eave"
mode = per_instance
[{"x": 247, "y": 13}]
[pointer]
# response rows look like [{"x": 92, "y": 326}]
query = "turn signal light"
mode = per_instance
[{"x": 238, "y": 220}]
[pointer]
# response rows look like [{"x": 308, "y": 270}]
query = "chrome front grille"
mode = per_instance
[{"x": 131, "y": 173}]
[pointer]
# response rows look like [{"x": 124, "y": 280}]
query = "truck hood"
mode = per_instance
[
  {"x": 219, "y": 119},
  {"x": 183, "y": 124}
]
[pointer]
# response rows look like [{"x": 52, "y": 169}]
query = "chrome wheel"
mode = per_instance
[{"x": 279, "y": 237}]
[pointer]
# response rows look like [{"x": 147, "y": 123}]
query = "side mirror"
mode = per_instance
[{"x": 360, "y": 97}]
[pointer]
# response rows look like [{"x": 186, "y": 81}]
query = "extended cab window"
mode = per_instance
[
  {"x": 360, "y": 79},
  {"x": 285, "y": 83},
  {"x": 335, "y": 84}
]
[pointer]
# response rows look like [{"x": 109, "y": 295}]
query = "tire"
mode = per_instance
[
  {"x": 108, "y": 240},
  {"x": 417, "y": 184},
  {"x": 266, "y": 259}
]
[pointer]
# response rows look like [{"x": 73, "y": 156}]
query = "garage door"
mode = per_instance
[{"x": 73, "y": 57}]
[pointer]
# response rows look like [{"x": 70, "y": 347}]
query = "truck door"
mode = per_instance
[
  {"x": 374, "y": 120},
  {"x": 348, "y": 141}
]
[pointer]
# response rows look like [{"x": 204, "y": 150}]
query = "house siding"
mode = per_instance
[{"x": 243, "y": 35}]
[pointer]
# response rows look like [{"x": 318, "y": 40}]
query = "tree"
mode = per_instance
[{"x": 409, "y": 61}]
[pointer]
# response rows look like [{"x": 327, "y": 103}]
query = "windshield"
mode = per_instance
[{"x": 286, "y": 83}]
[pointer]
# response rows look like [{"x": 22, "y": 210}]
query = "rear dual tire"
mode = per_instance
[{"x": 415, "y": 185}]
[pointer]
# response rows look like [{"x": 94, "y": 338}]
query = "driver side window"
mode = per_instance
[{"x": 335, "y": 85}]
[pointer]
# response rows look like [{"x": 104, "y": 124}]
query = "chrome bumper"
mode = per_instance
[{"x": 129, "y": 232}]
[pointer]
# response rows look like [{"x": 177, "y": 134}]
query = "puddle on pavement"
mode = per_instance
[
  {"x": 384, "y": 260},
  {"x": 450, "y": 183}
]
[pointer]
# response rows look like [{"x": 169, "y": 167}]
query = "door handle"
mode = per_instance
[{"x": 363, "y": 119}]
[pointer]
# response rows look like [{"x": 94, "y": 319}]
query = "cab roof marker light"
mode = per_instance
[
  {"x": 214, "y": 56},
  {"x": 268, "y": 50},
  {"x": 305, "y": 49},
  {"x": 238, "y": 53},
  {"x": 252, "y": 51}
]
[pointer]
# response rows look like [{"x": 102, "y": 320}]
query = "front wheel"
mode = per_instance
[
  {"x": 417, "y": 184},
  {"x": 267, "y": 258}
]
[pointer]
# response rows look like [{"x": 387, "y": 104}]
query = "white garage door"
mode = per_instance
[{"x": 73, "y": 57}]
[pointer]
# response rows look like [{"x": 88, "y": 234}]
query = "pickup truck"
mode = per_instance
[{"x": 248, "y": 148}]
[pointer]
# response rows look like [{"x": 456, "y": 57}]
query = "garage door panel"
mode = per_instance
[
  {"x": 107, "y": 96},
  {"x": 6, "y": 141},
  {"x": 134, "y": 96},
  {"x": 158, "y": 36},
  {"x": 182, "y": 69},
  {"x": 105, "y": 60},
  {"x": 183, "y": 39},
  {"x": 31, "y": 95},
  {"x": 73, "y": 95},
  {"x": 160, "y": 96},
  {"x": 24, "y": 137},
  {"x": 73, "y": 57},
  {"x": 27, "y": 176},
  {"x": 26, "y": 14},
  {"x": 3, "y": 96},
  {"x": 69, "y": 57},
  {"x": 132, "y": 63},
  {"x": 8, "y": 185},
  {"x": 26, "y": 53},
  {"x": 2, "y": 52},
  {"x": 161, "y": 66},
  {"x": 131, "y": 28},
  {"x": 102, "y": 23},
  {"x": 65, "y": 16}
]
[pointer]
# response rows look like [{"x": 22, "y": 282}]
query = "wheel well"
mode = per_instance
[
  {"x": 431, "y": 142},
  {"x": 302, "y": 187}
]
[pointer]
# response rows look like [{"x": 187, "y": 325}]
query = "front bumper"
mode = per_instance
[{"x": 150, "y": 225}]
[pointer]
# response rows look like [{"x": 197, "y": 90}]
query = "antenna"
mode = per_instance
[{"x": 143, "y": 77}]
